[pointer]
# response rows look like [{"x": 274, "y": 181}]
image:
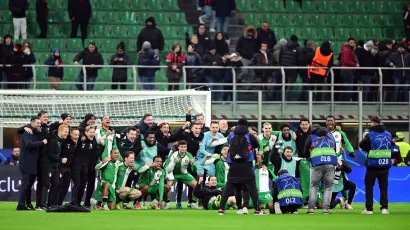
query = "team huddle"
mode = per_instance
[{"x": 288, "y": 170}]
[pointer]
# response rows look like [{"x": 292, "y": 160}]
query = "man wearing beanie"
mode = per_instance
[
  {"x": 89, "y": 120},
  {"x": 241, "y": 173},
  {"x": 65, "y": 119},
  {"x": 152, "y": 34},
  {"x": 400, "y": 59}
]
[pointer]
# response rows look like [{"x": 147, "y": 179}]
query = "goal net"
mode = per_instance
[{"x": 125, "y": 108}]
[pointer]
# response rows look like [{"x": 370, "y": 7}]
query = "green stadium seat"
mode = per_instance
[
  {"x": 342, "y": 33},
  {"x": 374, "y": 7},
  {"x": 104, "y": 4},
  {"x": 273, "y": 21},
  {"x": 65, "y": 30},
  {"x": 41, "y": 73},
  {"x": 142, "y": 16},
  {"x": 341, "y": 7},
  {"x": 324, "y": 33},
  {"x": 252, "y": 19},
  {"x": 67, "y": 57},
  {"x": 293, "y": 7},
  {"x": 266, "y": 17},
  {"x": 396, "y": 20},
  {"x": 134, "y": 31},
  {"x": 4, "y": 29},
  {"x": 41, "y": 45},
  {"x": 63, "y": 17},
  {"x": 97, "y": 17},
  {"x": 112, "y": 17},
  {"x": 53, "y": 30},
  {"x": 128, "y": 17},
  {"x": 309, "y": 6},
  {"x": 133, "y": 57},
  {"x": 74, "y": 45},
  {"x": 154, "y": 5},
  {"x": 350, "y": 20},
  {"x": 65, "y": 4},
  {"x": 138, "y": 5},
  {"x": 301, "y": 20},
  {"x": 279, "y": 32},
  {"x": 107, "y": 58},
  {"x": 260, "y": 6},
  {"x": 58, "y": 43},
  {"x": 54, "y": 5},
  {"x": 43, "y": 56},
  {"x": 102, "y": 31},
  {"x": 326, "y": 7},
  {"x": 178, "y": 19},
  {"x": 289, "y": 31},
  {"x": 183, "y": 29},
  {"x": 317, "y": 20},
  {"x": 358, "y": 7},
  {"x": 333, "y": 20},
  {"x": 170, "y": 5},
  {"x": 382, "y": 20},
  {"x": 309, "y": 33},
  {"x": 162, "y": 18},
  {"x": 390, "y": 7},
  {"x": 7, "y": 16},
  {"x": 119, "y": 31},
  {"x": 374, "y": 33},
  {"x": 337, "y": 48},
  {"x": 121, "y": 5},
  {"x": 365, "y": 20},
  {"x": 393, "y": 33},
  {"x": 244, "y": 5},
  {"x": 108, "y": 45},
  {"x": 276, "y": 6},
  {"x": 31, "y": 16},
  {"x": 285, "y": 20},
  {"x": 4, "y": 4},
  {"x": 169, "y": 32},
  {"x": 130, "y": 46},
  {"x": 358, "y": 33},
  {"x": 104, "y": 75},
  {"x": 32, "y": 30}
]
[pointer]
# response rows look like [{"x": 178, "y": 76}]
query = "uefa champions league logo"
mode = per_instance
[{"x": 381, "y": 142}]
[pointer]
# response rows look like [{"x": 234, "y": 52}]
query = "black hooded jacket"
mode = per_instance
[
  {"x": 94, "y": 58},
  {"x": 83, "y": 124},
  {"x": 246, "y": 46},
  {"x": 86, "y": 154},
  {"x": 289, "y": 54},
  {"x": 151, "y": 34},
  {"x": 191, "y": 139},
  {"x": 79, "y": 10},
  {"x": 382, "y": 55},
  {"x": 301, "y": 138},
  {"x": 68, "y": 149},
  {"x": 221, "y": 46}
]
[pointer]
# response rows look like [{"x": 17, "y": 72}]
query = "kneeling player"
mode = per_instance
[
  {"x": 211, "y": 194},
  {"x": 263, "y": 175},
  {"x": 152, "y": 182},
  {"x": 109, "y": 169},
  {"x": 126, "y": 178},
  {"x": 288, "y": 193},
  {"x": 177, "y": 167}
]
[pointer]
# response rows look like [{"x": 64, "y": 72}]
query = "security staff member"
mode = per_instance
[
  {"x": 323, "y": 59},
  {"x": 377, "y": 145},
  {"x": 320, "y": 148},
  {"x": 403, "y": 147},
  {"x": 241, "y": 174},
  {"x": 68, "y": 149}
]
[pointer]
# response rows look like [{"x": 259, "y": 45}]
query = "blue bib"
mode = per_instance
[
  {"x": 289, "y": 190},
  {"x": 380, "y": 152},
  {"x": 323, "y": 152}
]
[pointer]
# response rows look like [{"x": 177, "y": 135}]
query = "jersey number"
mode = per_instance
[
  {"x": 325, "y": 159},
  {"x": 290, "y": 200},
  {"x": 383, "y": 161}
]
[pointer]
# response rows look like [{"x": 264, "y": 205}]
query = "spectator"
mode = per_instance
[
  {"x": 223, "y": 9},
  {"x": 246, "y": 47},
  {"x": 221, "y": 46},
  {"x": 295, "y": 39},
  {"x": 406, "y": 22},
  {"x": 209, "y": 14},
  {"x": 175, "y": 62},
  {"x": 263, "y": 58},
  {"x": 148, "y": 75},
  {"x": 235, "y": 62},
  {"x": 6, "y": 50},
  {"x": 277, "y": 74},
  {"x": 193, "y": 59},
  {"x": 265, "y": 34},
  {"x": 347, "y": 59},
  {"x": 141, "y": 55},
  {"x": 400, "y": 59},
  {"x": 194, "y": 41},
  {"x": 381, "y": 57},
  {"x": 204, "y": 40},
  {"x": 90, "y": 56},
  {"x": 288, "y": 57},
  {"x": 18, "y": 9},
  {"x": 366, "y": 59},
  {"x": 151, "y": 34},
  {"x": 305, "y": 59},
  {"x": 213, "y": 75},
  {"x": 42, "y": 14},
  {"x": 80, "y": 14},
  {"x": 323, "y": 57},
  {"x": 119, "y": 75},
  {"x": 55, "y": 73},
  {"x": 16, "y": 72},
  {"x": 13, "y": 159},
  {"x": 29, "y": 59}
]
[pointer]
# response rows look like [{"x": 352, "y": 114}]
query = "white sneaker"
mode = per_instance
[
  {"x": 165, "y": 205},
  {"x": 239, "y": 212},
  {"x": 245, "y": 210},
  {"x": 144, "y": 205},
  {"x": 348, "y": 206},
  {"x": 198, "y": 8},
  {"x": 93, "y": 203},
  {"x": 295, "y": 212},
  {"x": 342, "y": 202},
  {"x": 365, "y": 212},
  {"x": 212, "y": 30},
  {"x": 200, "y": 20},
  {"x": 276, "y": 206},
  {"x": 385, "y": 211},
  {"x": 106, "y": 208}
]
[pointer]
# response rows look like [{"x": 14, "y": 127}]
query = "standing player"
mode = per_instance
[
  {"x": 267, "y": 141},
  {"x": 377, "y": 144},
  {"x": 263, "y": 177},
  {"x": 221, "y": 167},
  {"x": 340, "y": 138},
  {"x": 126, "y": 181},
  {"x": 152, "y": 182}
]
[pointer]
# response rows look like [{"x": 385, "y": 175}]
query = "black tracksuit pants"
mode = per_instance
[
  {"x": 64, "y": 185},
  {"x": 39, "y": 187},
  {"x": 51, "y": 181},
  {"x": 79, "y": 175},
  {"x": 237, "y": 188},
  {"x": 382, "y": 176},
  {"x": 347, "y": 186}
]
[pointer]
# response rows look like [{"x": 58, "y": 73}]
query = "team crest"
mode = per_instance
[
  {"x": 336, "y": 136},
  {"x": 186, "y": 161}
]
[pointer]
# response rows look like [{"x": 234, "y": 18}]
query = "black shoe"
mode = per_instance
[
  {"x": 30, "y": 207},
  {"x": 43, "y": 208},
  {"x": 22, "y": 208},
  {"x": 86, "y": 206}
]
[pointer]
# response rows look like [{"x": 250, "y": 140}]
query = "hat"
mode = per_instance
[
  {"x": 146, "y": 45},
  {"x": 55, "y": 50},
  {"x": 234, "y": 55},
  {"x": 243, "y": 122},
  {"x": 64, "y": 116},
  {"x": 369, "y": 43},
  {"x": 399, "y": 135},
  {"x": 150, "y": 19}
]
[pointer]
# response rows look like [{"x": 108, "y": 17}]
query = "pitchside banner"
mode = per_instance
[{"x": 399, "y": 184}]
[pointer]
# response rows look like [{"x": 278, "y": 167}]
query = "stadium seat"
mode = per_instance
[
  {"x": 333, "y": 20},
  {"x": 107, "y": 57},
  {"x": 324, "y": 33},
  {"x": 390, "y": 7},
  {"x": 285, "y": 20},
  {"x": 396, "y": 20},
  {"x": 289, "y": 31},
  {"x": 128, "y": 17},
  {"x": 62, "y": 17},
  {"x": 133, "y": 56},
  {"x": 162, "y": 18},
  {"x": 279, "y": 32},
  {"x": 293, "y": 7},
  {"x": 154, "y": 5},
  {"x": 58, "y": 43},
  {"x": 317, "y": 20},
  {"x": 170, "y": 32},
  {"x": 178, "y": 19},
  {"x": 67, "y": 57},
  {"x": 41, "y": 73},
  {"x": 309, "y": 33},
  {"x": 337, "y": 48},
  {"x": 97, "y": 18},
  {"x": 252, "y": 19},
  {"x": 130, "y": 46},
  {"x": 43, "y": 56},
  {"x": 31, "y": 16},
  {"x": 382, "y": 20},
  {"x": 244, "y": 5},
  {"x": 112, "y": 17},
  {"x": 119, "y": 31},
  {"x": 342, "y": 33},
  {"x": 276, "y": 6},
  {"x": 53, "y": 31},
  {"x": 142, "y": 16},
  {"x": 54, "y": 5},
  {"x": 374, "y": 7},
  {"x": 4, "y": 4},
  {"x": 121, "y": 5},
  {"x": 104, "y": 75},
  {"x": 365, "y": 20},
  {"x": 341, "y": 7},
  {"x": 41, "y": 45},
  {"x": 102, "y": 31},
  {"x": 350, "y": 20},
  {"x": 4, "y": 29},
  {"x": 309, "y": 6},
  {"x": 134, "y": 31},
  {"x": 326, "y": 7},
  {"x": 108, "y": 45},
  {"x": 103, "y": 4},
  {"x": 265, "y": 17},
  {"x": 260, "y": 6},
  {"x": 32, "y": 30},
  {"x": 74, "y": 45},
  {"x": 183, "y": 29},
  {"x": 301, "y": 20},
  {"x": 374, "y": 33},
  {"x": 358, "y": 33},
  {"x": 65, "y": 30},
  {"x": 138, "y": 5},
  {"x": 170, "y": 5},
  {"x": 6, "y": 15},
  {"x": 358, "y": 7},
  {"x": 392, "y": 33}
]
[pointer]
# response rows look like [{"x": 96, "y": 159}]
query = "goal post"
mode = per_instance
[{"x": 125, "y": 108}]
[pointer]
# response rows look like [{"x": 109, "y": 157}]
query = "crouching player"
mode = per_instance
[
  {"x": 211, "y": 194},
  {"x": 126, "y": 180},
  {"x": 152, "y": 182},
  {"x": 288, "y": 193},
  {"x": 177, "y": 168},
  {"x": 263, "y": 176},
  {"x": 109, "y": 168}
]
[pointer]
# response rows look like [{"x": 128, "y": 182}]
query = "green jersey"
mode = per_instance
[
  {"x": 123, "y": 173},
  {"x": 146, "y": 155},
  {"x": 262, "y": 179},
  {"x": 304, "y": 171},
  {"x": 221, "y": 172},
  {"x": 181, "y": 167},
  {"x": 289, "y": 143},
  {"x": 267, "y": 142},
  {"x": 110, "y": 142},
  {"x": 152, "y": 178},
  {"x": 290, "y": 166},
  {"x": 109, "y": 172}
]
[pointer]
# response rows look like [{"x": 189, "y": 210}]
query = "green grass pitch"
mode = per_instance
[{"x": 202, "y": 219}]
